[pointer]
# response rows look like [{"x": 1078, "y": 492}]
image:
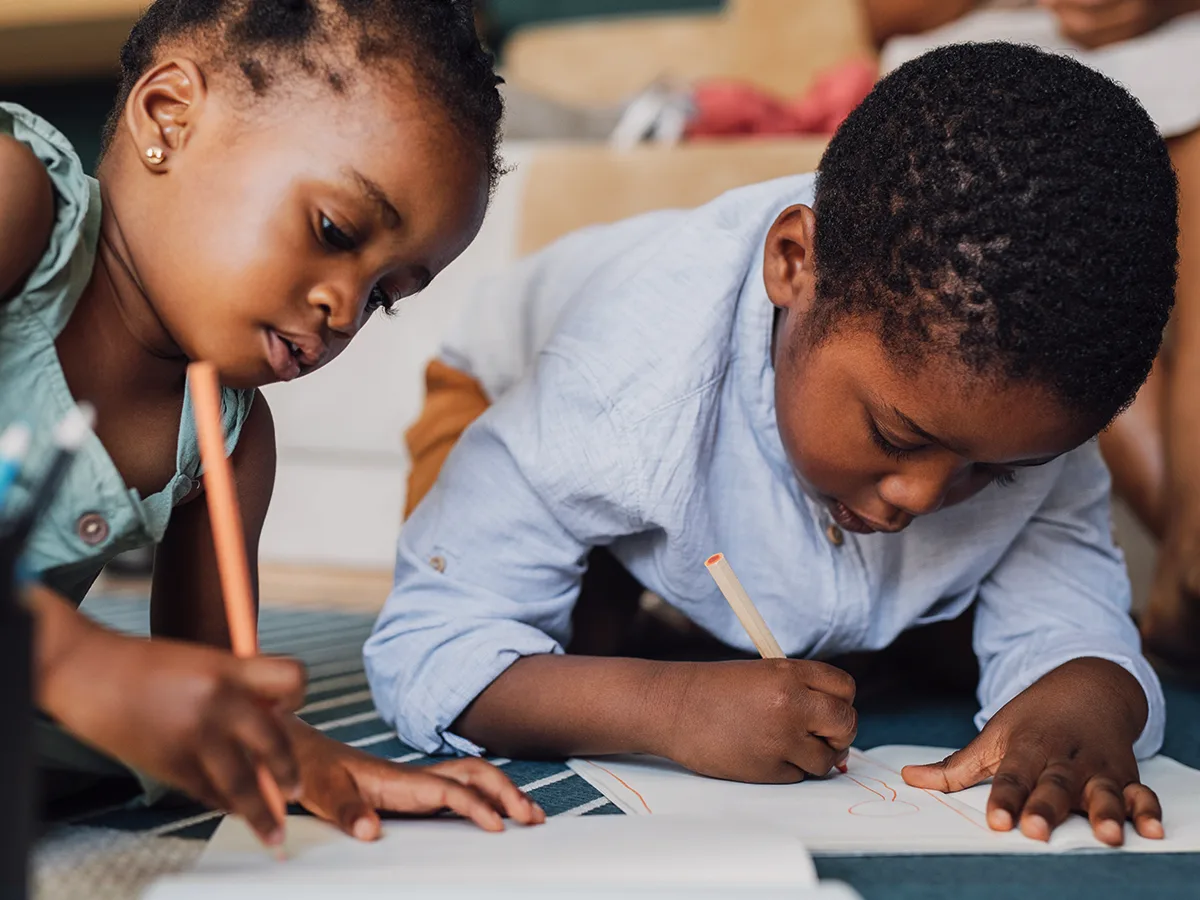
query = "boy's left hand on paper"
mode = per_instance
[
  {"x": 1063, "y": 745},
  {"x": 346, "y": 786}
]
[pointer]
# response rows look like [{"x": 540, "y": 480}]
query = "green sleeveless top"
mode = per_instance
[{"x": 95, "y": 516}]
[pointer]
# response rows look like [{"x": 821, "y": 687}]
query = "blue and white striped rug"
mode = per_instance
[{"x": 329, "y": 642}]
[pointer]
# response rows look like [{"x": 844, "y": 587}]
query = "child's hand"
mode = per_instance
[
  {"x": 1096, "y": 23},
  {"x": 1064, "y": 744},
  {"x": 765, "y": 721},
  {"x": 192, "y": 717},
  {"x": 1171, "y": 621},
  {"x": 346, "y": 786}
]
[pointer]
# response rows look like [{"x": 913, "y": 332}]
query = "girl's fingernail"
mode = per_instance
[
  {"x": 363, "y": 829},
  {"x": 1000, "y": 820},
  {"x": 1153, "y": 828},
  {"x": 1109, "y": 831}
]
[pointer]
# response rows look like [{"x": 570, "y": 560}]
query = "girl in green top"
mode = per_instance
[{"x": 275, "y": 171}]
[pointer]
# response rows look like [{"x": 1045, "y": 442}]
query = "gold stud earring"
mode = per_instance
[{"x": 154, "y": 155}]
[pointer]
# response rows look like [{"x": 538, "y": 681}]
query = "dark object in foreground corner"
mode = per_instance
[{"x": 17, "y": 777}]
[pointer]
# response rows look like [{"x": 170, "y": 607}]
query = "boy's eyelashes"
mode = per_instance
[
  {"x": 998, "y": 475},
  {"x": 889, "y": 447},
  {"x": 1004, "y": 477}
]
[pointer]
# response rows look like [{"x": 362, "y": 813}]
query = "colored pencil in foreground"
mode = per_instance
[
  {"x": 69, "y": 435},
  {"x": 747, "y": 613},
  {"x": 14, "y": 444},
  {"x": 228, "y": 540}
]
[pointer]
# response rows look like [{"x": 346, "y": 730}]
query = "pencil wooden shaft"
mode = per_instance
[
  {"x": 229, "y": 540},
  {"x": 747, "y": 613},
  {"x": 225, "y": 517}
]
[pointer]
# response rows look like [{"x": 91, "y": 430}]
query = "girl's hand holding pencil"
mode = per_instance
[{"x": 193, "y": 717}]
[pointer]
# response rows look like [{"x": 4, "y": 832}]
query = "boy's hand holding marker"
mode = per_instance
[
  {"x": 792, "y": 718},
  {"x": 809, "y": 722}
]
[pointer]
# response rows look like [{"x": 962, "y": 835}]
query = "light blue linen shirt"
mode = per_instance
[{"x": 634, "y": 408}]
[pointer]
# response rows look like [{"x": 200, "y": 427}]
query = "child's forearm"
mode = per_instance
[
  {"x": 576, "y": 705},
  {"x": 58, "y": 632}
]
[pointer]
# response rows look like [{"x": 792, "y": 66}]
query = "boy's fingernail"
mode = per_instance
[
  {"x": 1000, "y": 819},
  {"x": 1034, "y": 826},
  {"x": 1109, "y": 831},
  {"x": 363, "y": 829},
  {"x": 275, "y": 838}
]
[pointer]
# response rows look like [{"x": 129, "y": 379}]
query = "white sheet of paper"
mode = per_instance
[
  {"x": 597, "y": 852},
  {"x": 871, "y": 810}
]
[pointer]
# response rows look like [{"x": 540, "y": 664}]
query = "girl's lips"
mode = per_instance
[
  {"x": 280, "y": 358},
  {"x": 847, "y": 519}
]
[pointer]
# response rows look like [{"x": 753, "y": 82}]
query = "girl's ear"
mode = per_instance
[
  {"x": 788, "y": 261},
  {"x": 163, "y": 109}
]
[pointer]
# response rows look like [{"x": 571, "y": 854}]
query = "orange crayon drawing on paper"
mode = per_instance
[
  {"x": 933, "y": 794},
  {"x": 624, "y": 783},
  {"x": 885, "y": 805}
]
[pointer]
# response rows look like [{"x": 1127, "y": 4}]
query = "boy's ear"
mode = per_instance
[
  {"x": 788, "y": 261},
  {"x": 162, "y": 108}
]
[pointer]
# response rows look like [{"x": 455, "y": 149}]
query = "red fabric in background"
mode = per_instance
[{"x": 726, "y": 108}]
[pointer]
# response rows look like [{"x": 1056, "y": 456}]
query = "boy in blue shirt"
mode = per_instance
[{"x": 875, "y": 390}]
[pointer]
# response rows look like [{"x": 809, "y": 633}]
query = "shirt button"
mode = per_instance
[
  {"x": 835, "y": 535},
  {"x": 92, "y": 529},
  {"x": 438, "y": 563}
]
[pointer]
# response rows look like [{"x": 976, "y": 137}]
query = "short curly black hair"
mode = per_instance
[
  {"x": 1009, "y": 206},
  {"x": 436, "y": 39}
]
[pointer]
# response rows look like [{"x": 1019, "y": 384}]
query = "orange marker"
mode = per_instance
[
  {"x": 229, "y": 540},
  {"x": 747, "y": 613}
]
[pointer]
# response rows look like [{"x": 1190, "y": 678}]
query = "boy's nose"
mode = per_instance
[{"x": 916, "y": 493}]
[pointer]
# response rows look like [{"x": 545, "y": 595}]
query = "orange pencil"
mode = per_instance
[
  {"x": 228, "y": 540},
  {"x": 743, "y": 607}
]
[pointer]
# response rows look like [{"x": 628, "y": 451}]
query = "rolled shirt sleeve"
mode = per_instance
[
  {"x": 1061, "y": 592},
  {"x": 489, "y": 566}
]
